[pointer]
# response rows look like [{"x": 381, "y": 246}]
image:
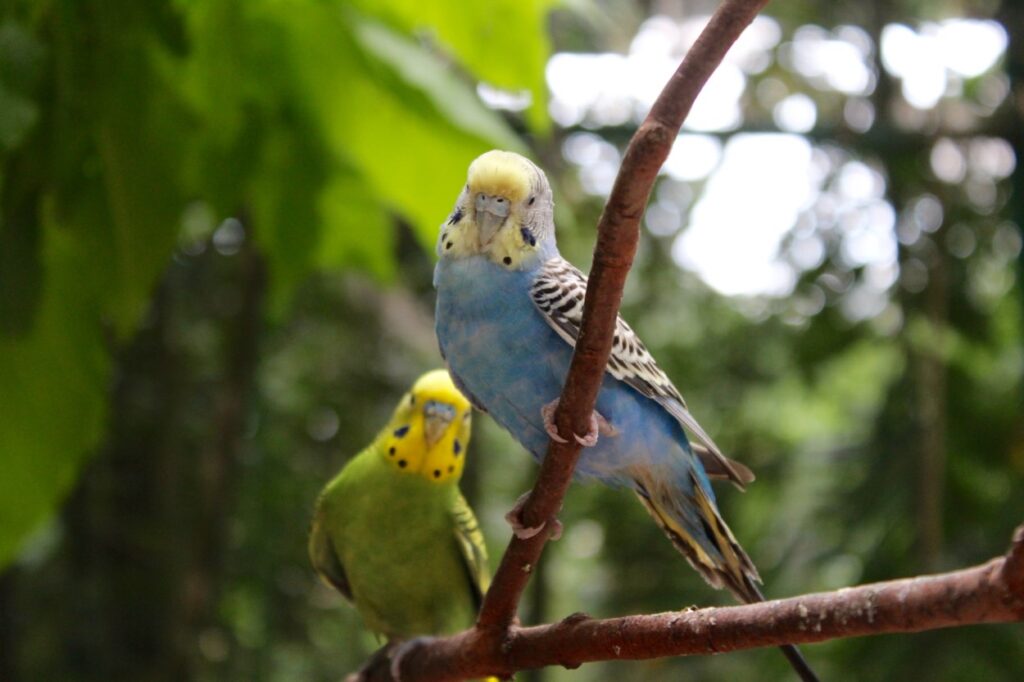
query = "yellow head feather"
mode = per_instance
[
  {"x": 504, "y": 212},
  {"x": 437, "y": 385},
  {"x": 501, "y": 173},
  {"x": 405, "y": 444}
]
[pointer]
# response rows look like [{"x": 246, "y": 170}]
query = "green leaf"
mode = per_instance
[
  {"x": 449, "y": 94},
  {"x": 52, "y": 387},
  {"x": 357, "y": 230},
  {"x": 420, "y": 170},
  {"x": 121, "y": 118},
  {"x": 502, "y": 42},
  {"x": 411, "y": 156},
  {"x": 284, "y": 194},
  {"x": 107, "y": 204},
  {"x": 132, "y": 135}
]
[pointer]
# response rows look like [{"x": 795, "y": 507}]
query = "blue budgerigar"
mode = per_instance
[{"x": 509, "y": 309}]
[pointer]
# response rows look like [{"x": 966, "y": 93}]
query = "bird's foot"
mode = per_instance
[
  {"x": 548, "y": 413},
  {"x": 598, "y": 425},
  {"x": 515, "y": 519},
  {"x": 398, "y": 653}
]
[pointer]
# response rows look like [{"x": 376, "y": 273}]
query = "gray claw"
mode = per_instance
[
  {"x": 548, "y": 413},
  {"x": 598, "y": 425},
  {"x": 514, "y": 518}
]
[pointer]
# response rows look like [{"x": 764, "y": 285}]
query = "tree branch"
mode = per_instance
[
  {"x": 990, "y": 593},
  {"x": 617, "y": 237},
  {"x": 993, "y": 592},
  {"x": 618, "y": 232}
]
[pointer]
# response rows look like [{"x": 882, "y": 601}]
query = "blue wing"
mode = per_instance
[{"x": 558, "y": 292}]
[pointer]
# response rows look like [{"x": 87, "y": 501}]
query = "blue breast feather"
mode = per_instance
[{"x": 499, "y": 347}]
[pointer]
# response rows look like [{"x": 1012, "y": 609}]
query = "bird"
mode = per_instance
[
  {"x": 508, "y": 313},
  {"x": 392, "y": 532}
]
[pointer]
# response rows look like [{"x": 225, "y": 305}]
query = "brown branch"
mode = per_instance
[
  {"x": 617, "y": 235},
  {"x": 993, "y": 592},
  {"x": 990, "y": 593}
]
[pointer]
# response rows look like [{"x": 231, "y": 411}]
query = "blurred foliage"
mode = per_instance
[
  {"x": 130, "y": 129},
  {"x": 216, "y": 223}
]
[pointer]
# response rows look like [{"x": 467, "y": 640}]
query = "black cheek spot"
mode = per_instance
[
  {"x": 402, "y": 463},
  {"x": 448, "y": 245},
  {"x": 391, "y": 451},
  {"x": 532, "y": 200},
  {"x": 507, "y": 260},
  {"x": 456, "y": 216},
  {"x": 451, "y": 469},
  {"x": 401, "y": 431},
  {"x": 457, "y": 447},
  {"x": 437, "y": 473},
  {"x": 528, "y": 237}
]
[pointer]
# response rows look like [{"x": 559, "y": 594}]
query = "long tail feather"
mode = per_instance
[
  {"x": 711, "y": 548},
  {"x": 792, "y": 654}
]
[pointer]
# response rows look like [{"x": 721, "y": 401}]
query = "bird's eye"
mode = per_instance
[{"x": 532, "y": 199}]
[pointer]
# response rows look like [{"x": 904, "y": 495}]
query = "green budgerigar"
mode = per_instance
[{"x": 393, "y": 533}]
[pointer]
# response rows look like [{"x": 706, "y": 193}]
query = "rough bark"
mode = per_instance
[{"x": 990, "y": 593}]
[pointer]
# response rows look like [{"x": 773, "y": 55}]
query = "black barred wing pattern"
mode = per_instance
[{"x": 558, "y": 293}]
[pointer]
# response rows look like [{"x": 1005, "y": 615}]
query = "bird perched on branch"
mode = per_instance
[
  {"x": 393, "y": 533},
  {"x": 509, "y": 310}
]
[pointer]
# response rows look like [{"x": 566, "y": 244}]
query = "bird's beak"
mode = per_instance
[
  {"x": 437, "y": 416},
  {"x": 491, "y": 214}
]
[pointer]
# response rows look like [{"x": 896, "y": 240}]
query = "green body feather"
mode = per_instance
[
  {"x": 396, "y": 537},
  {"x": 397, "y": 543}
]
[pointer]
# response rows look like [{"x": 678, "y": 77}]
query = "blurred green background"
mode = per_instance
[{"x": 216, "y": 228}]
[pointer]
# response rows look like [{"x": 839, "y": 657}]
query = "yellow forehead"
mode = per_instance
[
  {"x": 437, "y": 385},
  {"x": 501, "y": 173}
]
